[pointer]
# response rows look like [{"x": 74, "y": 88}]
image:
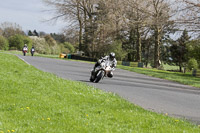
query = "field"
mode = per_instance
[{"x": 35, "y": 101}]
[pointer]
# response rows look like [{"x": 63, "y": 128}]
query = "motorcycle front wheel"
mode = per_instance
[
  {"x": 99, "y": 76},
  {"x": 92, "y": 79}
]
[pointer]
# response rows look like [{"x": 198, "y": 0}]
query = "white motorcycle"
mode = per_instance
[{"x": 100, "y": 72}]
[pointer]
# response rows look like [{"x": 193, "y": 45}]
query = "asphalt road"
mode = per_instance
[{"x": 153, "y": 94}]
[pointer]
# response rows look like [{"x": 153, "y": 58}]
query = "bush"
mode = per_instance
[
  {"x": 63, "y": 49},
  {"x": 4, "y": 45},
  {"x": 55, "y": 49},
  {"x": 192, "y": 64},
  {"x": 194, "y": 49},
  {"x": 41, "y": 46},
  {"x": 69, "y": 46},
  {"x": 16, "y": 41}
]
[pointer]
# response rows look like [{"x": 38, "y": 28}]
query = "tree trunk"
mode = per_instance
[
  {"x": 138, "y": 45},
  {"x": 80, "y": 25},
  {"x": 85, "y": 42},
  {"x": 147, "y": 56},
  {"x": 180, "y": 65},
  {"x": 157, "y": 48}
]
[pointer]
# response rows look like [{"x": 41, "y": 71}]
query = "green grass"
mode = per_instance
[
  {"x": 39, "y": 102},
  {"x": 170, "y": 67},
  {"x": 29, "y": 54},
  {"x": 184, "y": 78}
]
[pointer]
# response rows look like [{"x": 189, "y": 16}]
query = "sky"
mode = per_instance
[{"x": 30, "y": 15}]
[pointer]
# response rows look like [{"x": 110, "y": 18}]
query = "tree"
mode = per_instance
[
  {"x": 116, "y": 47},
  {"x": 42, "y": 34},
  {"x": 194, "y": 50},
  {"x": 30, "y": 33},
  {"x": 55, "y": 49},
  {"x": 137, "y": 20},
  {"x": 16, "y": 42},
  {"x": 70, "y": 47},
  {"x": 189, "y": 15},
  {"x": 160, "y": 20},
  {"x": 10, "y": 29},
  {"x": 70, "y": 10},
  {"x": 192, "y": 64},
  {"x": 179, "y": 50},
  {"x": 97, "y": 24},
  {"x": 35, "y": 33},
  {"x": 58, "y": 37},
  {"x": 4, "y": 45}
]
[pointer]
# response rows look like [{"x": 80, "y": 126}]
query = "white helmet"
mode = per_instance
[{"x": 112, "y": 55}]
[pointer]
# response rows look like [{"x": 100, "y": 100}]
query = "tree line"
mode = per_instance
[
  {"x": 12, "y": 37},
  {"x": 137, "y": 30}
]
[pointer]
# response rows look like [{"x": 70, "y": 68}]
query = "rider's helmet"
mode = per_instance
[
  {"x": 112, "y": 55},
  {"x": 25, "y": 45}
]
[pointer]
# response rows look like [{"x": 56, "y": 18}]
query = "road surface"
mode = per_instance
[{"x": 150, "y": 93}]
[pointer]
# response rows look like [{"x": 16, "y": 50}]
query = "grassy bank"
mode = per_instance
[
  {"x": 184, "y": 78},
  {"x": 35, "y": 101},
  {"x": 29, "y": 54}
]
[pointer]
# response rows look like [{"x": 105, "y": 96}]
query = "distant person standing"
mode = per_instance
[
  {"x": 32, "y": 50},
  {"x": 25, "y": 49}
]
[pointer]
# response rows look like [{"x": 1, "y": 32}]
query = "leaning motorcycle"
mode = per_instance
[{"x": 100, "y": 72}]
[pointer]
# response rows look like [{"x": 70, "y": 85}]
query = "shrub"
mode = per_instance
[
  {"x": 41, "y": 46},
  {"x": 54, "y": 48},
  {"x": 63, "y": 49},
  {"x": 69, "y": 46},
  {"x": 192, "y": 64},
  {"x": 16, "y": 41},
  {"x": 4, "y": 45}
]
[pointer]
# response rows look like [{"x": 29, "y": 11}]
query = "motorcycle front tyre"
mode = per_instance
[
  {"x": 99, "y": 76},
  {"x": 92, "y": 79}
]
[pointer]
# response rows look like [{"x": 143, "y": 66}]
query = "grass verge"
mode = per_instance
[
  {"x": 35, "y": 101},
  {"x": 184, "y": 78}
]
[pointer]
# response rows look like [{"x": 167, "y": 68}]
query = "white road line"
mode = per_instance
[
  {"x": 17, "y": 56},
  {"x": 23, "y": 60}
]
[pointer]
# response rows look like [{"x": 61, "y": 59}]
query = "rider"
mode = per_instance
[
  {"x": 32, "y": 50},
  {"x": 25, "y": 49},
  {"x": 111, "y": 59},
  {"x": 25, "y": 46}
]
